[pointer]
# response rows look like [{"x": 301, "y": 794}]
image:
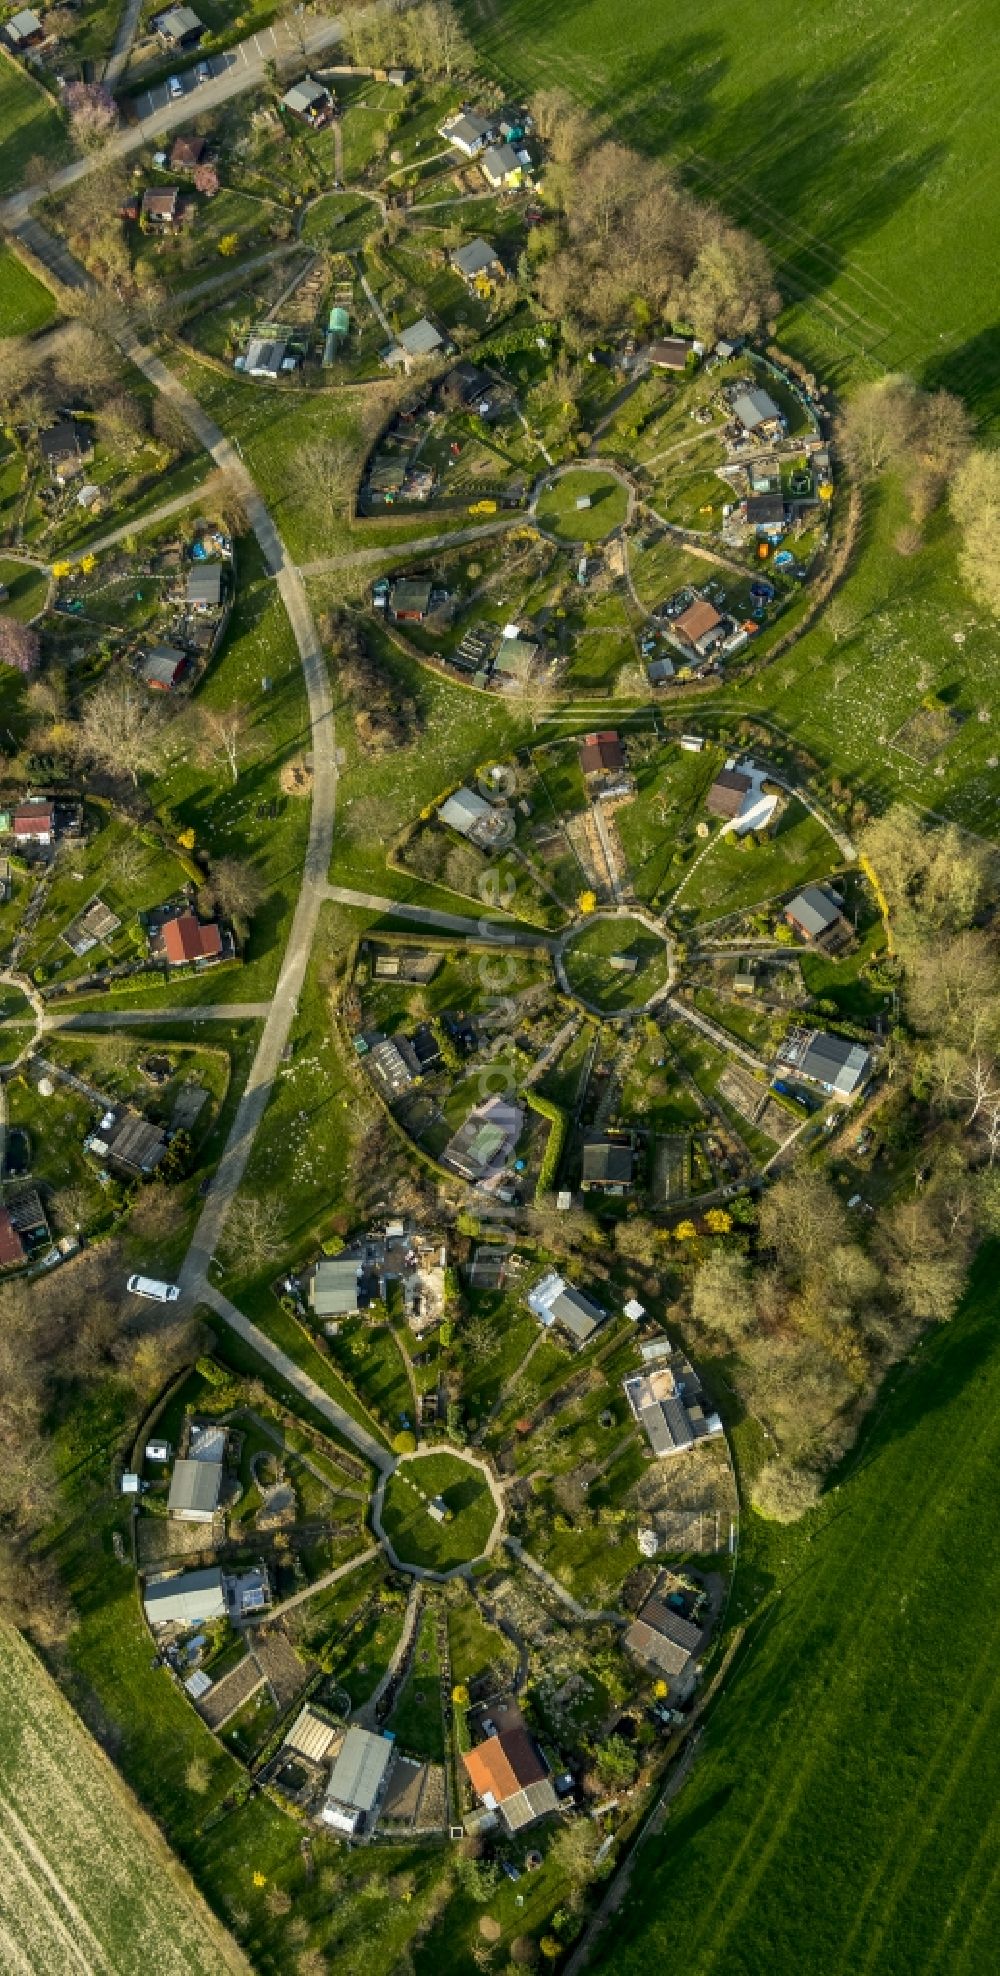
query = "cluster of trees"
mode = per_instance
[
  {"x": 384, "y": 717},
  {"x": 975, "y": 504},
  {"x": 924, "y": 436},
  {"x": 429, "y": 37},
  {"x": 830, "y": 1299},
  {"x": 628, "y": 237},
  {"x": 78, "y": 366},
  {"x": 46, "y": 1346}
]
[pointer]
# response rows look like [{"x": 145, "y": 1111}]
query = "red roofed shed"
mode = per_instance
[{"x": 187, "y": 938}]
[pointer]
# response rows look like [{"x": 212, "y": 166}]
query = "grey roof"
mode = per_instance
[
  {"x": 813, "y": 910},
  {"x": 765, "y": 509},
  {"x": 463, "y": 810},
  {"x": 476, "y": 257},
  {"x": 162, "y": 664},
  {"x": 178, "y": 22},
  {"x": 195, "y": 1488},
  {"x": 187, "y": 1599},
  {"x": 534, "y": 1801},
  {"x": 835, "y": 1061},
  {"x": 468, "y": 130},
  {"x": 666, "y": 1425},
  {"x": 605, "y": 1161},
  {"x": 136, "y": 1143},
  {"x": 204, "y": 584},
  {"x": 421, "y": 339},
  {"x": 304, "y": 94},
  {"x": 659, "y": 669},
  {"x": 265, "y": 356},
  {"x": 359, "y": 1772},
  {"x": 580, "y": 1317},
  {"x": 753, "y": 406},
  {"x": 500, "y": 162},
  {"x": 664, "y": 1637},
  {"x": 22, "y": 26},
  {"x": 411, "y": 593},
  {"x": 333, "y": 1291}
]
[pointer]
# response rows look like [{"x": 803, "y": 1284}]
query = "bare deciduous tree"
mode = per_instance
[{"x": 121, "y": 730}]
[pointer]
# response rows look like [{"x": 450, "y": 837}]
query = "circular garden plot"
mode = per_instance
[
  {"x": 615, "y": 963},
  {"x": 582, "y": 506},
  {"x": 438, "y": 1511}
]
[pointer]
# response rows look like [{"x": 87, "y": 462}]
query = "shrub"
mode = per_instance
[
  {"x": 404, "y": 1442},
  {"x": 784, "y": 1491}
]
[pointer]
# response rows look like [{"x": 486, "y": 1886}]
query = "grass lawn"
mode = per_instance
[
  {"x": 115, "y": 865},
  {"x": 737, "y": 873},
  {"x": 370, "y": 1359},
  {"x": 30, "y": 127},
  {"x": 558, "y": 510},
  {"x": 413, "y": 1532},
  {"x": 588, "y": 956},
  {"x": 416, "y": 1719},
  {"x": 657, "y": 827},
  {"x": 474, "y": 1647},
  {"x": 227, "y": 819},
  {"x": 340, "y": 221},
  {"x": 24, "y": 304}
]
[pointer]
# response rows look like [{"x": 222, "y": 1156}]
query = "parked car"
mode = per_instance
[
  {"x": 203, "y": 73},
  {"x": 175, "y": 86}
]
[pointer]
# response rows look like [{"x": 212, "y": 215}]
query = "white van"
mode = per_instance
[{"x": 150, "y": 1286}]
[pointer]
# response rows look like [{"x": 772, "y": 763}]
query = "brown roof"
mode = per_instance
[
  {"x": 601, "y": 752},
  {"x": 11, "y": 1245},
  {"x": 699, "y": 618},
  {"x": 188, "y": 939},
  {"x": 187, "y": 151},
  {"x": 504, "y": 1765},
  {"x": 669, "y": 352},
  {"x": 161, "y": 205},
  {"x": 725, "y": 798},
  {"x": 34, "y": 816}
]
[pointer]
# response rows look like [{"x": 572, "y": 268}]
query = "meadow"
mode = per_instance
[
  {"x": 862, "y": 1730},
  {"x": 30, "y": 126}
]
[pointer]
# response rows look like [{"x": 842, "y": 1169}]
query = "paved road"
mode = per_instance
[
  {"x": 231, "y": 277},
  {"x": 117, "y": 61},
  {"x": 722, "y": 1038},
  {"x": 303, "y": 1384},
  {"x": 429, "y": 916},
  {"x": 320, "y": 1584},
  {"x": 241, "y": 68},
  {"x": 254, "y": 1101},
  {"x": 394, "y": 551},
  {"x": 137, "y": 1018},
  {"x": 538, "y": 1571},
  {"x": 139, "y": 524},
  {"x": 367, "y": 1716}
]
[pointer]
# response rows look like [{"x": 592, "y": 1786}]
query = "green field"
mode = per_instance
[
  {"x": 872, "y": 217},
  {"x": 840, "y": 1817},
  {"x": 412, "y": 1531},
  {"x": 30, "y": 127},
  {"x": 588, "y": 956},
  {"x": 557, "y": 506},
  {"x": 24, "y": 304}
]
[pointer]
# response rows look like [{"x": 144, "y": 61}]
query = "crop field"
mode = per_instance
[
  {"x": 864, "y": 1730},
  {"x": 86, "y": 1881}
]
